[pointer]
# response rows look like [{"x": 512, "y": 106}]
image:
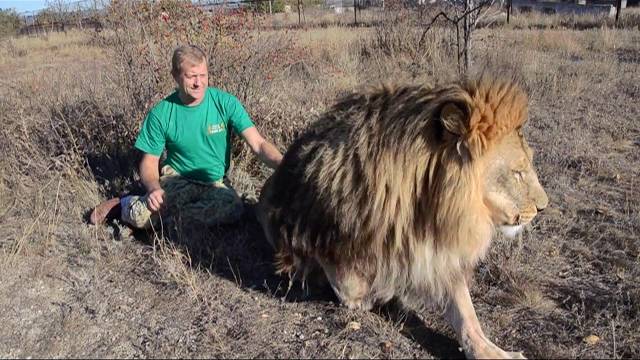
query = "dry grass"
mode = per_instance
[
  {"x": 317, "y": 17},
  {"x": 72, "y": 290},
  {"x": 34, "y": 53},
  {"x": 629, "y": 19}
]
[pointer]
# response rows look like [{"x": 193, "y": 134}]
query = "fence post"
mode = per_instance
[
  {"x": 355, "y": 12},
  {"x": 299, "y": 21},
  {"x": 508, "y": 10},
  {"x": 618, "y": 9}
]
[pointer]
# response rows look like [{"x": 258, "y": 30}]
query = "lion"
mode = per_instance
[{"x": 396, "y": 191}]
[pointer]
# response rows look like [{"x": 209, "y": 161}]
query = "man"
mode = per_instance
[{"x": 194, "y": 125}]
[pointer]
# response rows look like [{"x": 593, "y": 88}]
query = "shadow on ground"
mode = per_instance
[
  {"x": 439, "y": 345},
  {"x": 240, "y": 253}
]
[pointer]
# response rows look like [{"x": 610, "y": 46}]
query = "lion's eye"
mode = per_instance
[{"x": 519, "y": 175}]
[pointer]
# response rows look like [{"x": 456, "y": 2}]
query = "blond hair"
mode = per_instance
[{"x": 186, "y": 53}]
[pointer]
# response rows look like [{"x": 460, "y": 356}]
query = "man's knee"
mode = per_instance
[
  {"x": 224, "y": 205},
  {"x": 136, "y": 213}
]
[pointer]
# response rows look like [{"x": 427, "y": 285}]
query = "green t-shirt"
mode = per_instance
[{"x": 196, "y": 138}]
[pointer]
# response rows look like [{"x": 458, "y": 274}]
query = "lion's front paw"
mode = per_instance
[{"x": 488, "y": 350}]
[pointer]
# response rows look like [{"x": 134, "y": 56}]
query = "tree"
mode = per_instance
[
  {"x": 465, "y": 14},
  {"x": 268, "y": 6},
  {"x": 60, "y": 12},
  {"x": 474, "y": 11},
  {"x": 10, "y": 22}
]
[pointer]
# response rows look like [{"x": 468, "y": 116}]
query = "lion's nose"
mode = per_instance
[{"x": 542, "y": 203}]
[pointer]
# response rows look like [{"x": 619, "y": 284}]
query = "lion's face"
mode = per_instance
[{"x": 513, "y": 193}]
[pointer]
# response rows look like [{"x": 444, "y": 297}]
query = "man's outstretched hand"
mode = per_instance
[{"x": 155, "y": 199}]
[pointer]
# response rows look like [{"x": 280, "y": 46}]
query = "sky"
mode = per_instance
[
  {"x": 30, "y": 6},
  {"x": 22, "y": 6}
]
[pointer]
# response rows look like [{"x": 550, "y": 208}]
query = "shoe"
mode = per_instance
[{"x": 107, "y": 210}]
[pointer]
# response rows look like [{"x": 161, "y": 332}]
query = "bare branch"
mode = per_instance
[
  {"x": 454, "y": 20},
  {"x": 470, "y": 18},
  {"x": 424, "y": 33}
]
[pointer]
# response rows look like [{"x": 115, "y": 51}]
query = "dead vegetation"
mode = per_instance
[{"x": 70, "y": 108}]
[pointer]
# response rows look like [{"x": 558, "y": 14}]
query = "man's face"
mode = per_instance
[{"x": 192, "y": 81}]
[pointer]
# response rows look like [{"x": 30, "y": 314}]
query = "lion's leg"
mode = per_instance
[
  {"x": 351, "y": 288},
  {"x": 262, "y": 212},
  {"x": 462, "y": 316},
  {"x": 264, "y": 223}
]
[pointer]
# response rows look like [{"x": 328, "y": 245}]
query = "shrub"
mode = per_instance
[
  {"x": 402, "y": 39},
  {"x": 10, "y": 22}
]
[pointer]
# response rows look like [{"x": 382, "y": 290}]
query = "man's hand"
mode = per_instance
[
  {"x": 155, "y": 199},
  {"x": 266, "y": 152},
  {"x": 151, "y": 180}
]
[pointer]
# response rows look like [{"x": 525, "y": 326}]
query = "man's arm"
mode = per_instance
[
  {"x": 150, "y": 177},
  {"x": 264, "y": 150}
]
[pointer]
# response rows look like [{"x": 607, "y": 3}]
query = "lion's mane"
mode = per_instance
[{"x": 388, "y": 182}]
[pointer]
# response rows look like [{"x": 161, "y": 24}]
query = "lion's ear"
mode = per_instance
[{"x": 453, "y": 118}]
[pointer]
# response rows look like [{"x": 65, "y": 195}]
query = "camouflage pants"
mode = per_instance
[{"x": 185, "y": 201}]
